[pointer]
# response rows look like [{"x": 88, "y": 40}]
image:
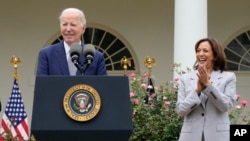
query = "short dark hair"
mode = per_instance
[{"x": 220, "y": 60}]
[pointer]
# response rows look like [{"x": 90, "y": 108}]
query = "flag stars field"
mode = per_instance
[{"x": 15, "y": 118}]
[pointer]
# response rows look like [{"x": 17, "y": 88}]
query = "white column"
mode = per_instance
[{"x": 190, "y": 25}]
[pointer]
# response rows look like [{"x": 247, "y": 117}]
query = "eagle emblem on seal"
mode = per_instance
[{"x": 82, "y": 103}]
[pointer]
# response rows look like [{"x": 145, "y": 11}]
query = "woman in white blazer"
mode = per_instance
[{"x": 206, "y": 94}]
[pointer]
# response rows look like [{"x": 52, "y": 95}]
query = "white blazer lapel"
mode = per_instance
[
  {"x": 193, "y": 79},
  {"x": 215, "y": 78}
]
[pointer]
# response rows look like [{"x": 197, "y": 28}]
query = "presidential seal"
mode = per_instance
[{"x": 81, "y": 102}]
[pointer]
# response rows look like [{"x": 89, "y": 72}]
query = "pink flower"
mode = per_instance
[
  {"x": 131, "y": 94},
  {"x": 153, "y": 95},
  {"x": 144, "y": 85},
  {"x": 244, "y": 103},
  {"x": 167, "y": 103},
  {"x": 145, "y": 74},
  {"x": 134, "y": 113},
  {"x": 176, "y": 79},
  {"x": 132, "y": 74},
  {"x": 238, "y": 97},
  {"x": 136, "y": 101}
]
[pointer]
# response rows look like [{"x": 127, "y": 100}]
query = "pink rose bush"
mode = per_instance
[
  {"x": 156, "y": 120},
  {"x": 239, "y": 115}
]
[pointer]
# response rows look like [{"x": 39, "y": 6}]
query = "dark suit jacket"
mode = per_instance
[{"x": 52, "y": 61}]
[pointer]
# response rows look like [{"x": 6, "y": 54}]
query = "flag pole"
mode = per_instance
[
  {"x": 149, "y": 62},
  {"x": 15, "y": 119},
  {"x": 15, "y": 61}
]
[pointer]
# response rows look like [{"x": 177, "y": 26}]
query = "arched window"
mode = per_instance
[{"x": 238, "y": 52}]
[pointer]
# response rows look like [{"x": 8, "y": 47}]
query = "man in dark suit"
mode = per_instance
[{"x": 55, "y": 59}]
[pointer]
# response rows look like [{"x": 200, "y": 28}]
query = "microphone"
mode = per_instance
[
  {"x": 89, "y": 53},
  {"x": 75, "y": 50}
]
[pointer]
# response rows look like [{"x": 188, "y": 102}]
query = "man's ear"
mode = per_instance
[{"x": 83, "y": 29}]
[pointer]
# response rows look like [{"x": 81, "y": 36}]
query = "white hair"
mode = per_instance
[{"x": 82, "y": 15}]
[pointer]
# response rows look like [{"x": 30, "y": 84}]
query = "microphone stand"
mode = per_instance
[
  {"x": 87, "y": 64},
  {"x": 82, "y": 70},
  {"x": 85, "y": 68},
  {"x": 76, "y": 62},
  {"x": 78, "y": 67}
]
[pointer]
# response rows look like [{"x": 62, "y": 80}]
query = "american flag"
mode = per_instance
[
  {"x": 150, "y": 89},
  {"x": 15, "y": 120}
]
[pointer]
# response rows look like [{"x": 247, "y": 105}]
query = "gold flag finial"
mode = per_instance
[
  {"x": 125, "y": 62},
  {"x": 15, "y": 61},
  {"x": 149, "y": 62}
]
